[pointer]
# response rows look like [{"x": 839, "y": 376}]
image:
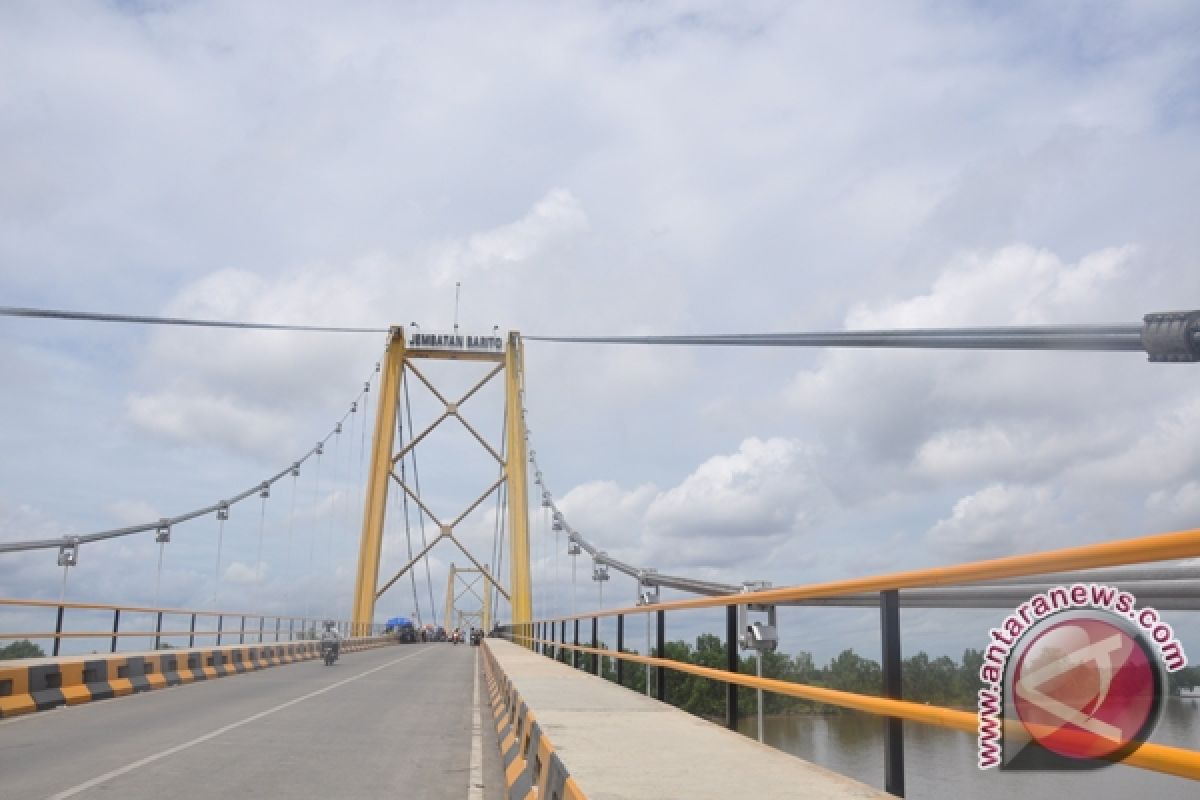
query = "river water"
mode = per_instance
[{"x": 941, "y": 764}]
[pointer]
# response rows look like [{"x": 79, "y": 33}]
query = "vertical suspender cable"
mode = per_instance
[
  {"x": 262, "y": 523},
  {"x": 494, "y": 566},
  {"x": 500, "y": 553},
  {"x": 557, "y": 547},
  {"x": 350, "y": 504},
  {"x": 312, "y": 535},
  {"x": 158, "y": 573},
  {"x": 333, "y": 498},
  {"x": 417, "y": 490},
  {"x": 412, "y": 573},
  {"x": 217, "y": 570},
  {"x": 362, "y": 447},
  {"x": 290, "y": 566}
]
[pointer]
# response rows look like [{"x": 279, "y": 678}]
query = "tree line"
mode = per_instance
[{"x": 940, "y": 681}]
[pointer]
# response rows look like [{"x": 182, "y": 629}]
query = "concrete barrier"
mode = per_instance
[
  {"x": 28, "y": 685},
  {"x": 611, "y": 742},
  {"x": 532, "y": 768}
]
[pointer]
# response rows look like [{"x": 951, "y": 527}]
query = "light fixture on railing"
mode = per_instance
[{"x": 760, "y": 636}]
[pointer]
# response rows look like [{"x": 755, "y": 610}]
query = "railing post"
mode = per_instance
[
  {"x": 158, "y": 631},
  {"x": 595, "y": 645},
  {"x": 732, "y": 664},
  {"x": 562, "y": 639},
  {"x": 220, "y": 625},
  {"x": 116, "y": 627},
  {"x": 58, "y": 629},
  {"x": 291, "y": 629},
  {"x": 192, "y": 632},
  {"x": 620, "y": 649},
  {"x": 893, "y": 687},
  {"x": 242, "y": 632},
  {"x": 660, "y": 636},
  {"x": 575, "y": 653},
  {"x": 262, "y": 624}
]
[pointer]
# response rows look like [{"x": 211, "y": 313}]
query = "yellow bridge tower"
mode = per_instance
[{"x": 401, "y": 361}]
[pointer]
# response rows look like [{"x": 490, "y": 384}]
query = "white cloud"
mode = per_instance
[
  {"x": 995, "y": 521},
  {"x": 764, "y": 489},
  {"x": 133, "y": 512},
  {"x": 239, "y": 574},
  {"x": 552, "y": 221},
  {"x": 190, "y": 417},
  {"x": 731, "y": 509},
  {"x": 1178, "y": 507}
]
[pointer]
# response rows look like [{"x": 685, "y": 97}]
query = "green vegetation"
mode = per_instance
[
  {"x": 938, "y": 681},
  {"x": 22, "y": 649},
  {"x": 1183, "y": 679}
]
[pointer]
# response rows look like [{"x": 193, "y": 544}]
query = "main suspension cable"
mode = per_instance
[
  {"x": 166, "y": 523},
  {"x": 93, "y": 316}
]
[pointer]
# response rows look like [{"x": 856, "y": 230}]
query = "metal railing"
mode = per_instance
[
  {"x": 549, "y": 635},
  {"x": 262, "y": 627}
]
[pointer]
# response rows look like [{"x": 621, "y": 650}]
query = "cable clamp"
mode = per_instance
[
  {"x": 162, "y": 533},
  {"x": 68, "y": 553},
  {"x": 1172, "y": 336}
]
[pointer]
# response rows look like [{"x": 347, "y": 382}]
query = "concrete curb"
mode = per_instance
[
  {"x": 532, "y": 769},
  {"x": 31, "y": 685}
]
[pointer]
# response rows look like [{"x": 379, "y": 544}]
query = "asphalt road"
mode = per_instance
[{"x": 392, "y": 722}]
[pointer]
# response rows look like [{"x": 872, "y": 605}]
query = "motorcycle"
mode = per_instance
[{"x": 329, "y": 651}]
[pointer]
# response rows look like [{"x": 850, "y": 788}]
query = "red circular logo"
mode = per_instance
[{"x": 1085, "y": 688}]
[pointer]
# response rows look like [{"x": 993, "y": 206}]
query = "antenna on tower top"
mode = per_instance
[{"x": 457, "y": 288}]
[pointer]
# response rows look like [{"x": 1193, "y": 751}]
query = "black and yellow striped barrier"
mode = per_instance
[
  {"x": 532, "y": 769},
  {"x": 70, "y": 680}
]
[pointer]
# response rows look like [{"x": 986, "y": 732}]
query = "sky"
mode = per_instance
[{"x": 595, "y": 168}]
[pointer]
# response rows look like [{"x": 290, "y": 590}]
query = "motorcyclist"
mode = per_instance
[{"x": 331, "y": 635}]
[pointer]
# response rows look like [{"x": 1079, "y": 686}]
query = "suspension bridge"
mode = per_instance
[{"x": 549, "y": 705}]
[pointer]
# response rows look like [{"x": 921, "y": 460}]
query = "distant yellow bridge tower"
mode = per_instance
[{"x": 401, "y": 360}]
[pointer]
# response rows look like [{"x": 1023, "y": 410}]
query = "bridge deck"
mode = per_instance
[
  {"x": 389, "y": 722},
  {"x": 620, "y": 744}
]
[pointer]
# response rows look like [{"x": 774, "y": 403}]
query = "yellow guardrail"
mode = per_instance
[
  {"x": 266, "y": 627},
  {"x": 1159, "y": 547}
]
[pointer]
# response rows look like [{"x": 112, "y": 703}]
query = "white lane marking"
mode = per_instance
[
  {"x": 475, "y": 787},
  {"x": 116, "y": 773}
]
